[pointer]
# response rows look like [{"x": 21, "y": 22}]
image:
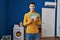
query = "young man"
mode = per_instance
[{"x": 31, "y": 21}]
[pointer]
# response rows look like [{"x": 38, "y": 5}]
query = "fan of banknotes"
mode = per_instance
[{"x": 33, "y": 15}]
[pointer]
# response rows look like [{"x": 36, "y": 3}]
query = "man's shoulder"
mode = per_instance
[
  {"x": 37, "y": 13},
  {"x": 26, "y": 13}
]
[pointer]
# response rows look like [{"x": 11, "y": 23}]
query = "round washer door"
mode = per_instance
[{"x": 18, "y": 34}]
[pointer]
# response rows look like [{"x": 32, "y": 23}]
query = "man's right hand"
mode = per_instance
[{"x": 31, "y": 20}]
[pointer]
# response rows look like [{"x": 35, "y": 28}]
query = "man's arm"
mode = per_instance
[
  {"x": 39, "y": 22},
  {"x": 26, "y": 22}
]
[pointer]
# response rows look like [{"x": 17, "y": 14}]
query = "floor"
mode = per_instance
[{"x": 51, "y": 38}]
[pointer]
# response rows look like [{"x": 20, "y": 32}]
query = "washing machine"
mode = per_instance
[{"x": 18, "y": 33}]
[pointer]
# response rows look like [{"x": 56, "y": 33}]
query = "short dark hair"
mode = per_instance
[{"x": 32, "y": 3}]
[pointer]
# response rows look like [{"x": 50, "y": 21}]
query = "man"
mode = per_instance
[{"x": 31, "y": 21}]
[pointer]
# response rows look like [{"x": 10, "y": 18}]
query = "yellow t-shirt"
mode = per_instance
[{"x": 33, "y": 27}]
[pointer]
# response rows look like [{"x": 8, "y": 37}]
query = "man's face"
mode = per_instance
[{"x": 32, "y": 7}]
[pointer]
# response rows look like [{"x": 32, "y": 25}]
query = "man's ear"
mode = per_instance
[
  {"x": 29, "y": 6},
  {"x": 34, "y": 7}
]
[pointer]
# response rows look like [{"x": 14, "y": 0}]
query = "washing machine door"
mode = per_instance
[{"x": 18, "y": 34}]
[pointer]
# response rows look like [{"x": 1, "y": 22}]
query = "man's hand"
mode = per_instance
[
  {"x": 31, "y": 20},
  {"x": 36, "y": 19}
]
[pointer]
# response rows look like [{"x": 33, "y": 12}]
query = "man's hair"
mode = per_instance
[{"x": 32, "y": 3}]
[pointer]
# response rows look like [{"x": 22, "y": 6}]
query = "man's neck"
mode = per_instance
[{"x": 32, "y": 11}]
